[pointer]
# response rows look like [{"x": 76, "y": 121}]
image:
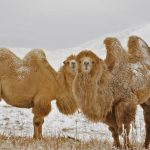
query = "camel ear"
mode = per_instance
[{"x": 64, "y": 62}]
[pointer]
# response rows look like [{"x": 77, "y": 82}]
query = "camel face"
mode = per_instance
[
  {"x": 71, "y": 65},
  {"x": 86, "y": 64}
]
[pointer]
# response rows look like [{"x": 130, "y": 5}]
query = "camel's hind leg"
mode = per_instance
[
  {"x": 40, "y": 110},
  {"x": 127, "y": 143},
  {"x": 0, "y": 91},
  {"x": 146, "y": 111},
  {"x": 125, "y": 112}
]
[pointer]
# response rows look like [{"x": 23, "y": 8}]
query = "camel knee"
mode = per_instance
[{"x": 38, "y": 121}]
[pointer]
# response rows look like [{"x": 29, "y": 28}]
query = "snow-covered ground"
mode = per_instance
[{"x": 17, "y": 121}]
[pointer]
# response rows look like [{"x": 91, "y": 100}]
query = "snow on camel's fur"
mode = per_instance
[
  {"x": 103, "y": 93},
  {"x": 134, "y": 66},
  {"x": 29, "y": 83},
  {"x": 138, "y": 49},
  {"x": 66, "y": 75}
]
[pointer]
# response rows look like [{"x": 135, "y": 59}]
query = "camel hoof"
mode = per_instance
[
  {"x": 128, "y": 146},
  {"x": 38, "y": 137},
  {"x": 117, "y": 146},
  {"x": 146, "y": 145}
]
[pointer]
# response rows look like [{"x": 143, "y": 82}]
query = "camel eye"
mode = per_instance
[
  {"x": 93, "y": 62},
  {"x": 80, "y": 62}
]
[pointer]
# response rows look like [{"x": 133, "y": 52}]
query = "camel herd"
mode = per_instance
[{"x": 105, "y": 91}]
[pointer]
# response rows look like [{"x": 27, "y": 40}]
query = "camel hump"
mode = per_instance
[
  {"x": 35, "y": 54},
  {"x": 137, "y": 47},
  {"x": 5, "y": 54},
  {"x": 115, "y": 53}
]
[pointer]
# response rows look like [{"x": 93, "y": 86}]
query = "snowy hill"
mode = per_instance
[{"x": 15, "y": 121}]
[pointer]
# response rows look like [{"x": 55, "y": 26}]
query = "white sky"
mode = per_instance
[{"x": 54, "y": 24}]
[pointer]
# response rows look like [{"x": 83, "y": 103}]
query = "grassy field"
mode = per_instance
[{"x": 55, "y": 143}]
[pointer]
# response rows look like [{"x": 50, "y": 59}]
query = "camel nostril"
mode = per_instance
[
  {"x": 73, "y": 64},
  {"x": 86, "y": 63}
]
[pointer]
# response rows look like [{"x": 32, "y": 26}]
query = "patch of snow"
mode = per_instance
[{"x": 23, "y": 69}]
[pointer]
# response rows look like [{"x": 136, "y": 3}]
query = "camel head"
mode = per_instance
[
  {"x": 138, "y": 47},
  {"x": 89, "y": 63},
  {"x": 70, "y": 65}
]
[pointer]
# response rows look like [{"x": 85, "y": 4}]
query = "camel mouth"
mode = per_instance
[{"x": 86, "y": 69}]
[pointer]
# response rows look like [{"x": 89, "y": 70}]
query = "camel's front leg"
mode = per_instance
[
  {"x": 115, "y": 135},
  {"x": 41, "y": 109},
  {"x": 38, "y": 122}
]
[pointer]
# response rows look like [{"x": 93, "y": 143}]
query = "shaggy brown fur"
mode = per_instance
[
  {"x": 91, "y": 89},
  {"x": 140, "y": 51},
  {"x": 95, "y": 96},
  {"x": 138, "y": 69},
  {"x": 65, "y": 77},
  {"x": 29, "y": 83}
]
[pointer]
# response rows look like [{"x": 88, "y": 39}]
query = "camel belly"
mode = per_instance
[
  {"x": 17, "y": 94},
  {"x": 18, "y": 102}
]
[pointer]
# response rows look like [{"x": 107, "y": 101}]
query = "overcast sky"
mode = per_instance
[{"x": 54, "y": 24}]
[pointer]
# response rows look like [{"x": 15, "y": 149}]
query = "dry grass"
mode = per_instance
[{"x": 54, "y": 143}]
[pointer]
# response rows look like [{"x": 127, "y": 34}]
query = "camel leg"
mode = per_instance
[
  {"x": 38, "y": 122},
  {"x": 147, "y": 139},
  {"x": 40, "y": 110},
  {"x": 125, "y": 112},
  {"x": 0, "y": 91},
  {"x": 146, "y": 112},
  {"x": 115, "y": 136},
  {"x": 127, "y": 143}
]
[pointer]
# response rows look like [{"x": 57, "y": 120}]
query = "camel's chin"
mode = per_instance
[{"x": 86, "y": 71}]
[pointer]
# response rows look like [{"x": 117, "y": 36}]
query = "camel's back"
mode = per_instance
[
  {"x": 37, "y": 57},
  {"x": 41, "y": 70}
]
